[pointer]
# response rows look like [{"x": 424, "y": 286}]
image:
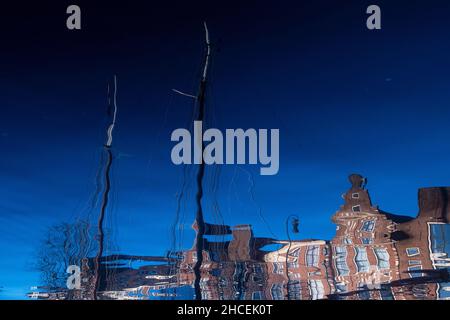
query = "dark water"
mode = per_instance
[
  {"x": 130, "y": 224},
  {"x": 373, "y": 255}
]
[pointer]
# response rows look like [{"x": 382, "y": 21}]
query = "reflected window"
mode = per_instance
[
  {"x": 222, "y": 282},
  {"x": 294, "y": 290},
  {"x": 341, "y": 287},
  {"x": 420, "y": 290},
  {"x": 215, "y": 256},
  {"x": 312, "y": 256},
  {"x": 216, "y": 272},
  {"x": 413, "y": 271},
  {"x": 411, "y": 252},
  {"x": 277, "y": 291},
  {"x": 363, "y": 292},
  {"x": 278, "y": 268},
  {"x": 368, "y": 226},
  {"x": 382, "y": 257},
  {"x": 341, "y": 261},
  {"x": 295, "y": 252},
  {"x": 257, "y": 278},
  {"x": 362, "y": 262},
  {"x": 355, "y": 195},
  {"x": 316, "y": 289},
  {"x": 440, "y": 252},
  {"x": 258, "y": 269},
  {"x": 367, "y": 240},
  {"x": 348, "y": 241},
  {"x": 257, "y": 295},
  {"x": 356, "y": 208},
  {"x": 414, "y": 262},
  {"x": 386, "y": 293}
]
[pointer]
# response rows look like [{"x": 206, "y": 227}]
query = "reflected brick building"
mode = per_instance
[
  {"x": 415, "y": 238},
  {"x": 373, "y": 255},
  {"x": 363, "y": 252}
]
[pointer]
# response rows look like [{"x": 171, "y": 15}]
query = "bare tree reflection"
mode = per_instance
[{"x": 65, "y": 244}]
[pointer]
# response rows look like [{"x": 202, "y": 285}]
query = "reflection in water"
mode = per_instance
[{"x": 374, "y": 255}]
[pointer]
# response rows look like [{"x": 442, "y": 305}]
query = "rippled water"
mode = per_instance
[
  {"x": 97, "y": 194},
  {"x": 373, "y": 255}
]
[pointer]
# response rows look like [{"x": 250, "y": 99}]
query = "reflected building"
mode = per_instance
[
  {"x": 299, "y": 270},
  {"x": 363, "y": 253},
  {"x": 373, "y": 255},
  {"x": 422, "y": 245}
]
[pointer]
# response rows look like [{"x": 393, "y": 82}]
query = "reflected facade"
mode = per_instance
[{"x": 373, "y": 255}]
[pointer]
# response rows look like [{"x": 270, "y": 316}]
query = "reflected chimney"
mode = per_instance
[
  {"x": 434, "y": 204},
  {"x": 239, "y": 248}
]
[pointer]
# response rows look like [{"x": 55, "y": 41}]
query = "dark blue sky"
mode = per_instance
[{"x": 345, "y": 99}]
